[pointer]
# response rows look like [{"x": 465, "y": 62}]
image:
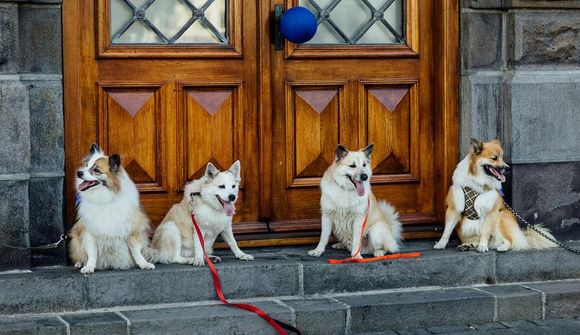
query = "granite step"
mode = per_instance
[
  {"x": 532, "y": 307},
  {"x": 275, "y": 273}
]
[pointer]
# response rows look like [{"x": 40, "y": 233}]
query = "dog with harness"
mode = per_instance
[{"x": 475, "y": 207}]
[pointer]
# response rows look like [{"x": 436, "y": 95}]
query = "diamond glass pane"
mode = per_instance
[
  {"x": 169, "y": 21},
  {"x": 358, "y": 21}
]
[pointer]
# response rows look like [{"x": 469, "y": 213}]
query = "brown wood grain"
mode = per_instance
[{"x": 168, "y": 110}]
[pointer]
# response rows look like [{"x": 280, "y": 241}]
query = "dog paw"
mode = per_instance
[
  {"x": 246, "y": 257},
  {"x": 87, "y": 269},
  {"x": 198, "y": 262},
  {"x": 379, "y": 253},
  {"x": 338, "y": 246},
  {"x": 440, "y": 245},
  {"x": 186, "y": 260},
  {"x": 359, "y": 256},
  {"x": 78, "y": 265},
  {"x": 146, "y": 266},
  {"x": 315, "y": 252},
  {"x": 215, "y": 259},
  {"x": 502, "y": 248},
  {"x": 466, "y": 247},
  {"x": 482, "y": 248}
]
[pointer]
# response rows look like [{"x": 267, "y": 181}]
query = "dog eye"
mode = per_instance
[
  {"x": 353, "y": 165},
  {"x": 222, "y": 186},
  {"x": 494, "y": 158},
  {"x": 233, "y": 186},
  {"x": 364, "y": 164},
  {"x": 96, "y": 170}
]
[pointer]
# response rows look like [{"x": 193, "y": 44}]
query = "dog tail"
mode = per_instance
[
  {"x": 392, "y": 217},
  {"x": 536, "y": 240}
]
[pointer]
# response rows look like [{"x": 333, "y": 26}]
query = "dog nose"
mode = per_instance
[
  {"x": 364, "y": 176},
  {"x": 232, "y": 197},
  {"x": 80, "y": 174}
]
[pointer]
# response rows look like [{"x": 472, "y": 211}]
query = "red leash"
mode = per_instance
[
  {"x": 278, "y": 325},
  {"x": 372, "y": 259}
]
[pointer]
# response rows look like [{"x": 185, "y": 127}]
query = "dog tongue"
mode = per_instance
[
  {"x": 86, "y": 184},
  {"x": 502, "y": 178},
  {"x": 229, "y": 208},
  {"x": 360, "y": 188}
]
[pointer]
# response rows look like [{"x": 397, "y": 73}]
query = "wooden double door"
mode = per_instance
[{"x": 173, "y": 85}]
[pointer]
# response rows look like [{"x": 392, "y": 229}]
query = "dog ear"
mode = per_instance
[
  {"x": 476, "y": 145},
  {"x": 210, "y": 171},
  {"x": 368, "y": 150},
  {"x": 95, "y": 149},
  {"x": 496, "y": 141},
  {"x": 236, "y": 169},
  {"x": 340, "y": 152},
  {"x": 115, "y": 163}
]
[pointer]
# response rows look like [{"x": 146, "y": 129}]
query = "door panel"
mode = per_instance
[
  {"x": 174, "y": 84},
  {"x": 387, "y": 118},
  {"x": 172, "y": 93},
  {"x": 130, "y": 123},
  {"x": 313, "y": 123},
  {"x": 355, "y": 94},
  {"x": 211, "y": 116}
]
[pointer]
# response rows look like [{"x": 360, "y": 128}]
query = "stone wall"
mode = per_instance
[
  {"x": 31, "y": 131},
  {"x": 520, "y": 82}
]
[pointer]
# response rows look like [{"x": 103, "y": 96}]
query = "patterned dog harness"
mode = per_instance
[{"x": 470, "y": 197}]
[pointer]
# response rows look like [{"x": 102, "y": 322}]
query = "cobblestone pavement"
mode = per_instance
[{"x": 534, "y": 327}]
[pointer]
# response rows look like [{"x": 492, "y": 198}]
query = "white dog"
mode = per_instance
[
  {"x": 346, "y": 197},
  {"x": 214, "y": 195},
  {"x": 111, "y": 230}
]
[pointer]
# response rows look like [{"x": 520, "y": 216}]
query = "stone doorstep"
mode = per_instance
[
  {"x": 285, "y": 271},
  {"x": 428, "y": 311}
]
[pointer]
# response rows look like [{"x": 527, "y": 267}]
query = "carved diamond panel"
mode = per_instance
[
  {"x": 130, "y": 117},
  {"x": 210, "y": 115},
  {"x": 388, "y": 127},
  {"x": 314, "y": 122}
]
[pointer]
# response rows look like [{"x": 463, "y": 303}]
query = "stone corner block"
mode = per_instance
[
  {"x": 482, "y": 41},
  {"x": 40, "y": 38}
]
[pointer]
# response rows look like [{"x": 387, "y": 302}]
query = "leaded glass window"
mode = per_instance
[
  {"x": 169, "y": 21},
  {"x": 358, "y": 21}
]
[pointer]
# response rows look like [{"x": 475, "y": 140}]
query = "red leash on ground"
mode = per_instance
[
  {"x": 371, "y": 259},
  {"x": 278, "y": 325}
]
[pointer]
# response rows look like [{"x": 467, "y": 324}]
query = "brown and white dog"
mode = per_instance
[
  {"x": 111, "y": 228},
  {"x": 475, "y": 205},
  {"x": 346, "y": 197}
]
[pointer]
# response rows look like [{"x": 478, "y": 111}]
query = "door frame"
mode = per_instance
[{"x": 445, "y": 111}]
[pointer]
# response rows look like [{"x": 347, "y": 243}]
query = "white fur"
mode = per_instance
[
  {"x": 97, "y": 207},
  {"x": 462, "y": 177},
  {"x": 108, "y": 219},
  {"x": 484, "y": 203},
  {"x": 175, "y": 240},
  {"x": 471, "y": 227},
  {"x": 343, "y": 211}
]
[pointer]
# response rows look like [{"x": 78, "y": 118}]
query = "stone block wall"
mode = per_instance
[
  {"x": 31, "y": 131},
  {"x": 520, "y": 82}
]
